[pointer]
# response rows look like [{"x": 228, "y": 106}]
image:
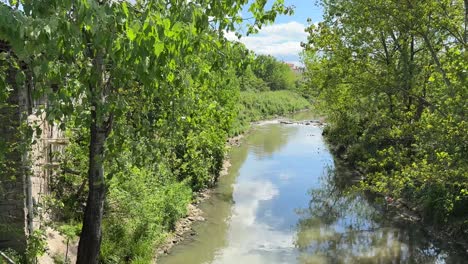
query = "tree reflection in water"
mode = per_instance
[
  {"x": 270, "y": 139},
  {"x": 342, "y": 227}
]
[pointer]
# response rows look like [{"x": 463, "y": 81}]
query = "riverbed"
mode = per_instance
[{"x": 285, "y": 200}]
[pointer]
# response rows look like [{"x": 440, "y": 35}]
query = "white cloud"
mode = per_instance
[
  {"x": 281, "y": 40},
  {"x": 285, "y": 176},
  {"x": 251, "y": 240},
  {"x": 249, "y": 194}
]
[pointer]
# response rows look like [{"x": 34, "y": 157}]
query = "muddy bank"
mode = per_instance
[{"x": 183, "y": 227}]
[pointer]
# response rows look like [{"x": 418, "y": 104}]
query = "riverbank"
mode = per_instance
[
  {"x": 183, "y": 227},
  {"x": 285, "y": 200},
  {"x": 405, "y": 212},
  {"x": 256, "y": 106}
]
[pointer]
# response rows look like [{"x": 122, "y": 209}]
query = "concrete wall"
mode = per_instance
[
  {"x": 12, "y": 181},
  {"x": 44, "y": 165},
  {"x": 25, "y": 176},
  {"x": 24, "y": 173}
]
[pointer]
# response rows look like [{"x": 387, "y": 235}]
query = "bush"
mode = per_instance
[{"x": 140, "y": 211}]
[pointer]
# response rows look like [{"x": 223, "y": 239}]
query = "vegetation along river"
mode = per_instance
[{"x": 283, "y": 201}]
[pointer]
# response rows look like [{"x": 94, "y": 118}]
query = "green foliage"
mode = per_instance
[
  {"x": 147, "y": 94},
  {"x": 68, "y": 188},
  {"x": 12, "y": 255},
  {"x": 60, "y": 259},
  {"x": 37, "y": 245},
  {"x": 392, "y": 79},
  {"x": 255, "y": 106},
  {"x": 69, "y": 231},
  {"x": 276, "y": 74},
  {"x": 250, "y": 82},
  {"x": 142, "y": 208}
]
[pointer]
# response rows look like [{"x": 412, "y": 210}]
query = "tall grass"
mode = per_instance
[{"x": 255, "y": 106}]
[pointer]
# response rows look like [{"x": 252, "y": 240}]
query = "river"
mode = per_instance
[{"x": 284, "y": 201}]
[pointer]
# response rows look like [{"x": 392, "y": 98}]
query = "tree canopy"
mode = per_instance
[
  {"x": 392, "y": 78},
  {"x": 276, "y": 74},
  {"x": 123, "y": 75}
]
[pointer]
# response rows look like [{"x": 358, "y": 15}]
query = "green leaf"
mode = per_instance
[
  {"x": 125, "y": 8},
  {"x": 158, "y": 48},
  {"x": 131, "y": 34}
]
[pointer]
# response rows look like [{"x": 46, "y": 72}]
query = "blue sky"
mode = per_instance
[
  {"x": 283, "y": 38},
  {"x": 304, "y": 9}
]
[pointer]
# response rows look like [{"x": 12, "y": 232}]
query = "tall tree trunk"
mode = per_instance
[
  {"x": 91, "y": 233},
  {"x": 90, "y": 239}
]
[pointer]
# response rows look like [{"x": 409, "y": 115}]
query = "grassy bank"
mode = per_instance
[
  {"x": 255, "y": 106},
  {"x": 151, "y": 180}
]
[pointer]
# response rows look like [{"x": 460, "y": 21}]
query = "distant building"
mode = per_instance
[{"x": 294, "y": 68}]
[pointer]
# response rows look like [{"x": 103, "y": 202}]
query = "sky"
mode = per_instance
[{"x": 282, "y": 39}]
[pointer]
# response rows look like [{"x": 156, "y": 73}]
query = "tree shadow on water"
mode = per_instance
[{"x": 342, "y": 226}]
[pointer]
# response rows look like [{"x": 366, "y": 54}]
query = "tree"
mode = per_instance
[
  {"x": 276, "y": 74},
  {"x": 283, "y": 77},
  {"x": 392, "y": 78},
  {"x": 97, "y": 58},
  {"x": 250, "y": 82}
]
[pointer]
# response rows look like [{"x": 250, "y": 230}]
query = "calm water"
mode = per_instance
[{"x": 283, "y": 202}]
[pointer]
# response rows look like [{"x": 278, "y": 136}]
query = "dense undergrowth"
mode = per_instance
[
  {"x": 147, "y": 94},
  {"x": 395, "y": 93},
  {"x": 150, "y": 177},
  {"x": 149, "y": 193}
]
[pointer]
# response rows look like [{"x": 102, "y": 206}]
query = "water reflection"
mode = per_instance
[
  {"x": 253, "y": 218},
  {"x": 268, "y": 139},
  {"x": 233, "y": 230},
  {"x": 338, "y": 227}
]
